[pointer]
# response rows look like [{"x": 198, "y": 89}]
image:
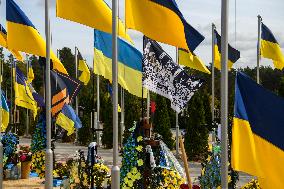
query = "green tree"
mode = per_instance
[
  {"x": 196, "y": 138},
  {"x": 162, "y": 124}
]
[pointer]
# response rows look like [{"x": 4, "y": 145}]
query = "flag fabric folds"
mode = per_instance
[
  {"x": 3, "y": 43},
  {"x": 23, "y": 93},
  {"x": 63, "y": 90},
  {"x": 233, "y": 54},
  {"x": 164, "y": 77},
  {"x": 68, "y": 120},
  {"x": 270, "y": 48},
  {"x": 189, "y": 59},
  {"x": 5, "y": 113},
  {"x": 31, "y": 75},
  {"x": 129, "y": 62},
  {"x": 162, "y": 21},
  {"x": 84, "y": 72},
  {"x": 94, "y": 13},
  {"x": 258, "y": 133},
  {"x": 23, "y": 36}
]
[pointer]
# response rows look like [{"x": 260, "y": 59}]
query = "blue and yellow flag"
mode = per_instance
[
  {"x": 189, "y": 59},
  {"x": 94, "y": 13},
  {"x": 83, "y": 69},
  {"x": 270, "y": 48},
  {"x": 3, "y": 43},
  {"x": 233, "y": 54},
  {"x": 68, "y": 120},
  {"x": 162, "y": 21},
  {"x": 129, "y": 62},
  {"x": 5, "y": 113},
  {"x": 23, "y": 36},
  {"x": 258, "y": 133},
  {"x": 23, "y": 93}
]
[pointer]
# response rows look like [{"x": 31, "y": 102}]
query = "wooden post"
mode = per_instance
[{"x": 184, "y": 158}]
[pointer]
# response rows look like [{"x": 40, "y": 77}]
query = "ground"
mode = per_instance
[{"x": 64, "y": 151}]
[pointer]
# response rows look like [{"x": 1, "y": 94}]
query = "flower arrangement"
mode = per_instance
[
  {"x": 211, "y": 170},
  {"x": 38, "y": 163},
  {"x": 25, "y": 154},
  {"x": 253, "y": 184},
  {"x": 61, "y": 170},
  {"x": 100, "y": 172},
  {"x": 171, "y": 179},
  {"x": 10, "y": 142},
  {"x": 132, "y": 161},
  {"x": 39, "y": 136}
]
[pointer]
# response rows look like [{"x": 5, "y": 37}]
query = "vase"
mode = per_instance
[{"x": 25, "y": 169}]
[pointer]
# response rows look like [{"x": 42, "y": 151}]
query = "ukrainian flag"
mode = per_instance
[
  {"x": 233, "y": 54},
  {"x": 3, "y": 43},
  {"x": 258, "y": 133},
  {"x": 23, "y": 36},
  {"x": 129, "y": 62},
  {"x": 93, "y": 13},
  {"x": 161, "y": 21},
  {"x": 23, "y": 93},
  {"x": 189, "y": 59},
  {"x": 5, "y": 113},
  {"x": 68, "y": 120},
  {"x": 83, "y": 69},
  {"x": 270, "y": 48}
]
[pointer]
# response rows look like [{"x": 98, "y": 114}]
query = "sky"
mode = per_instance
[{"x": 199, "y": 13}]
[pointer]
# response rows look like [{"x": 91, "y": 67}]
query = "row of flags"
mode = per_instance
[{"x": 257, "y": 126}]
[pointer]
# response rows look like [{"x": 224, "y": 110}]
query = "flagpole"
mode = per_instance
[
  {"x": 98, "y": 109},
  {"x": 76, "y": 98},
  {"x": 122, "y": 116},
  {"x": 11, "y": 98},
  {"x": 27, "y": 121},
  {"x": 258, "y": 48},
  {"x": 177, "y": 126},
  {"x": 224, "y": 93},
  {"x": 48, "y": 158},
  {"x": 115, "y": 171},
  {"x": 213, "y": 78},
  {"x": 1, "y": 145}
]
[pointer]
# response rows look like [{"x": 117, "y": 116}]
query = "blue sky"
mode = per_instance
[{"x": 199, "y": 13}]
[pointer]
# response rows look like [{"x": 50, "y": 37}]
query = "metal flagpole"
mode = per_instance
[
  {"x": 48, "y": 158},
  {"x": 224, "y": 93},
  {"x": 115, "y": 171},
  {"x": 27, "y": 121},
  {"x": 98, "y": 110},
  {"x": 122, "y": 116},
  {"x": 177, "y": 126},
  {"x": 213, "y": 77},
  {"x": 1, "y": 145},
  {"x": 258, "y": 48},
  {"x": 76, "y": 99},
  {"x": 11, "y": 98}
]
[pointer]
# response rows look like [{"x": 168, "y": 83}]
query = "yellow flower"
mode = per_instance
[
  {"x": 140, "y": 162},
  {"x": 219, "y": 187},
  {"x": 140, "y": 138},
  {"x": 129, "y": 175},
  {"x": 134, "y": 170},
  {"x": 139, "y": 148}
]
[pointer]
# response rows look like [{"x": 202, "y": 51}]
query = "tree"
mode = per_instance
[
  {"x": 162, "y": 124},
  {"x": 196, "y": 138}
]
